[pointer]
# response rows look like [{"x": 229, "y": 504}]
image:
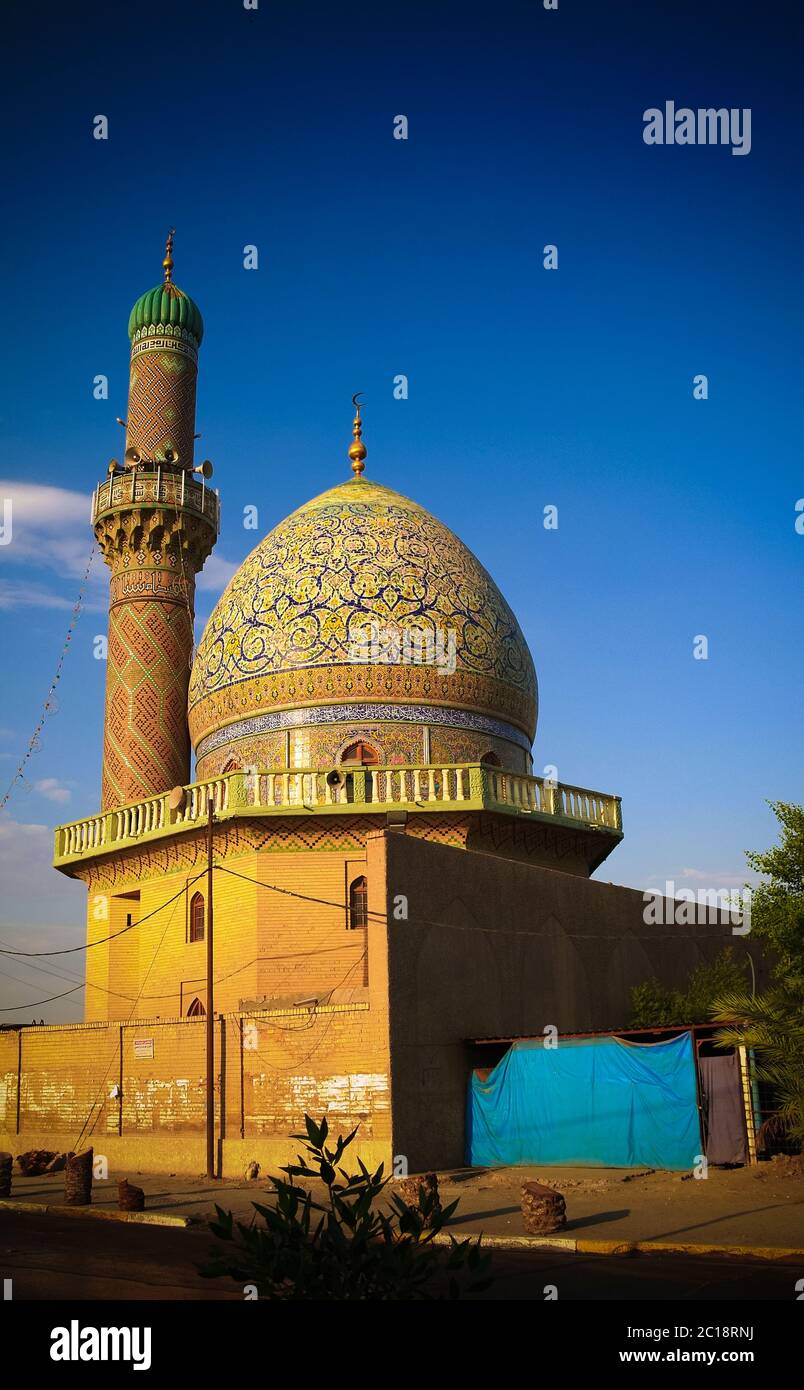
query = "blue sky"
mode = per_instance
[{"x": 527, "y": 387}]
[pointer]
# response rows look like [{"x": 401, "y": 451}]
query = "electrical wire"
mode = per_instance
[
  {"x": 331, "y": 902},
  {"x": 124, "y": 1021},
  {"x": 34, "y": 1004},
  {"x": 71, "y": 950},
  {"x": 48, "y": 706},
  {"x": 300, "y": 1061},
  {"x": 172, "y": 994},
  {"x": 454, "y": 926}
]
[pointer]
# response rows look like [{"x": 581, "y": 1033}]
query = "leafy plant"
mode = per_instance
[
  {"x": 777, "y": 906},
  {"x": 347, "y": 1247},
  {"x": 773, "y": 1025},
  {"x": 655, "y": 1005}
]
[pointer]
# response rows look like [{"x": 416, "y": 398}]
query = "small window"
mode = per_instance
[
  {"x": 358, "y": 904},
  {"x": 490, "y": 759},
  {"x": 197, "y": 917},
  {"x": 196, "y": 1010},
  {"x": 361, "y": 753},
  {"x": 231, "y": 766}
]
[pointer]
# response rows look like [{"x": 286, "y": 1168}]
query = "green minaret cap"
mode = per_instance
[{"x": 166, "y": 305}]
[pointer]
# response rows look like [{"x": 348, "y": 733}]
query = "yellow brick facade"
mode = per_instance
[
  {"x": 131, "y": 1080},
  {"x": 281, "y": 932},
  {"x": 136, "y": 1092}
]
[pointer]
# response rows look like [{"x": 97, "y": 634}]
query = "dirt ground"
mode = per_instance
[
  {"x": 756, "y": 1206},
  {"x": 753, "y": 1206}
]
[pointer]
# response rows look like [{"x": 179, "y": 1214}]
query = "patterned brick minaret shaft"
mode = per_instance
[
  {"x": 161, "y": 397},
  {"x": 156, "y": 524}
]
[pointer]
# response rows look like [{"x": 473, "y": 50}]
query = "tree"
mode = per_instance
[
  {"x": 777, "y": 907},
  {"x": 772, "y": 1024},
  {"x": 654, "y": 1005}
]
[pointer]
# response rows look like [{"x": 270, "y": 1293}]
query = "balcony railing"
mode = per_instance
[
  {"x": 157, "y": 487},
  {"x": 470, "y": 787}
]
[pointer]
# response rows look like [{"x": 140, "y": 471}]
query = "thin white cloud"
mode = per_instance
[
  {"x": 719, "y": 878},
  {"x": 33, "y": 891},
  {"x": 17, "y": 594},
  {"x": 45, "y": 506},
  {"x": 709, "y": 880},
  {"x": 52, "y": 789},
  {"x": 50, "y": 529},
  {"x": 216, "y": 574},
  {"x": 48, "y": 525},
  {"x": 40, "y": 910},
  {"x": 13, "y": 831}
]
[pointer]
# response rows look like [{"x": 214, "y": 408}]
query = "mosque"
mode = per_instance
[{"x": 393, "y": 890}]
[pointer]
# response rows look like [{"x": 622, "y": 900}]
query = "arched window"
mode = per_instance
[
  {"x": 232, "y": 766},
  {"x": 490, "y": 759},
  {"x": 358, "y": 903},
  {"x": 197, "y": 917},
  {"x": 361, "y": 753},
  {"x": 196, "y": 1010}
]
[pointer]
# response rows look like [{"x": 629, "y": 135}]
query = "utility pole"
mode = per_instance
[{"x": 210, "y": 1000}]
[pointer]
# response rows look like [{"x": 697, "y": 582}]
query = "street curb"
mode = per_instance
[
  {"x": 569, "y": 1245},
  {"x": 141, "y": 1218},
  {"x": 581, "y": 1246}
]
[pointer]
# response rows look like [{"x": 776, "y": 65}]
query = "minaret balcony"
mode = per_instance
[
  {"x": 156, "y": 486},
  {"x": 378, "y": 791}
]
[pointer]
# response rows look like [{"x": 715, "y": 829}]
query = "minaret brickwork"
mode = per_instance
[{"x": 156, "y": 523}]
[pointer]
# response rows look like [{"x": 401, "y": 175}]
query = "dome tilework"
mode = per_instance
[{"x": 292, "y": 627}]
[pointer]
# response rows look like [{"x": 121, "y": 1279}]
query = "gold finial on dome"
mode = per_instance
[
  {"x": 167, "y": 264},
  {"x": 357, "y": 450}
]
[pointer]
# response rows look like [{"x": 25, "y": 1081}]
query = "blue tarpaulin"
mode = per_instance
[{"x": 599, "y": 1101}]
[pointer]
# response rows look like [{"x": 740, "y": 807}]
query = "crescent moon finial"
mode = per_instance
[
  {"x": 167, "y": 264},
  {"x": 357, "y": 449}
]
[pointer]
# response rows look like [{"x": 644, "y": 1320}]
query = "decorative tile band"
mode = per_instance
[
  {"x": 150, "y": 583},
  {"x": 161, "y": 339},
  {"x": 362, "y": 713}
]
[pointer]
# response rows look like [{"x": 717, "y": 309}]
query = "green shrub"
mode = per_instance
[
  {"x": 348, "y": 1247},
  {"x": 654, "y": 1005}
]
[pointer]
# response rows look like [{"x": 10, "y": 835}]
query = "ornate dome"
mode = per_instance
[
  {"x": 166, "y": 306},
  {"x": 361, "y": 616}
]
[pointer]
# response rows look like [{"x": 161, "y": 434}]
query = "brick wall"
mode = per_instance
[
  {"x": 275, "y": 1057},
  {"x": 492, "y": 948},
  {"x": 270, "y": 946},
  {"x": 271, "y": 1067}
]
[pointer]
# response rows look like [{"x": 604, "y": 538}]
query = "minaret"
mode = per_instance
[{"x": 156, "y": 523}]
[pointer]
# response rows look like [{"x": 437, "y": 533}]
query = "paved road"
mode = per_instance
[
  {"x": 740, "y": 1207},
  {"x": 52, "y": 1257}
]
